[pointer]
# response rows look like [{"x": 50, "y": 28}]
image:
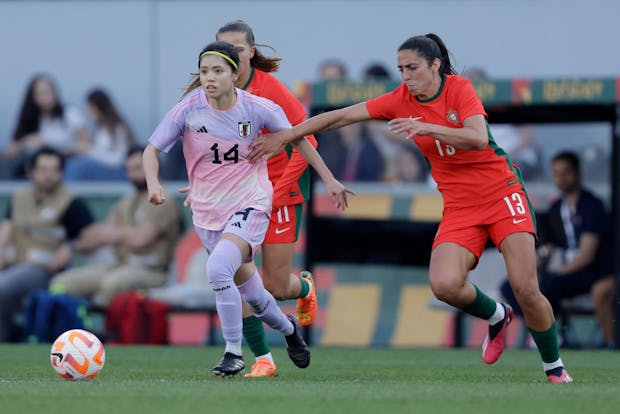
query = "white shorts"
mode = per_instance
[{"x": 249, "y": 224}]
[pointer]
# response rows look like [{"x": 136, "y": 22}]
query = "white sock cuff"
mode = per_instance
[
  {"x": 499, "y": 314},
  {"x": 551, "y": 365}
]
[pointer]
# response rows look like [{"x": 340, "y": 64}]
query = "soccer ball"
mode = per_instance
[{"x": 77, "y": 355}]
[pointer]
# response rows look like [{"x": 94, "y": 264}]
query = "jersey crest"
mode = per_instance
[
  {"x": 452, "y": 116},
  {"x": 245, "y": 128}
]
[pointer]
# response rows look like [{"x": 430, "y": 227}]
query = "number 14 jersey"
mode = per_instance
[{"x": 215, "y": 144}]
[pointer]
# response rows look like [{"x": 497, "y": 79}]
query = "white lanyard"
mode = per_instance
[{"x": 569, "y": 228}]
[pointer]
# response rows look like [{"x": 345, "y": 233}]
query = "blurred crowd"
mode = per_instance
[{"x": 95, "y": 141}]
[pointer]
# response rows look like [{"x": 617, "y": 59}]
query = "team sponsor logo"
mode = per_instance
[
  {"x": 452, "y": 116},
  {"x": 202, "y": 129},
  {"x": 245, "y": 128}
]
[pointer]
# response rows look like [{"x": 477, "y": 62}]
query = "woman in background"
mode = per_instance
[
  {"x": 105, "y": 158},
  {"x": 43, "y": 121}
]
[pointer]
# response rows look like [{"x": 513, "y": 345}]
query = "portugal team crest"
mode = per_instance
[
  {"x": 452, "y": 116},
  {"x": 245, "y": 128}
]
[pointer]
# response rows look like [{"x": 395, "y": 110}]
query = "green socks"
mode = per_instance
[
  {"x": 305, "y": 288},
  {"x": 547, "y": 343},
  {"x": 482, "y": 307},
  {"x": 254, "y": 334}
]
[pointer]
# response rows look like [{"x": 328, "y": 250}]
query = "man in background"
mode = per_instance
[
  {"x": 35, "y": 238},
  {"x": 575, "y": 249},
  {"x": 142, "y": 236}
]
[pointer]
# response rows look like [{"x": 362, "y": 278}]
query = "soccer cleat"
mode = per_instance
[
  {"x": 564, "y": 377},
  {"x": 492, "y": 348},
  {"x": 263, "y": 367},
  {"x": 306, "y": 307},
  {"x": 228, "y": 366},
  {"x": 296, "y": 346}
]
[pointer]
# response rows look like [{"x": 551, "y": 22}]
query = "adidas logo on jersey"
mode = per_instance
[
  {"x": 203, "y": 129},
  {"x": 237, "y": 224}
]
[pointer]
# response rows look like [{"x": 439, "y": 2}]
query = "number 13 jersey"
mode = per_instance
[
  {"x": 215, "y": 144},
  {"x": 464, "y": 177}
]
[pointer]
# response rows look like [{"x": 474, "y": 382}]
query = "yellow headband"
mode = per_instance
[{"x": 220, "y": 54}]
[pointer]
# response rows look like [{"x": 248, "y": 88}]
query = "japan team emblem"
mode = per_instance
[{"x": 245, "y": 128}]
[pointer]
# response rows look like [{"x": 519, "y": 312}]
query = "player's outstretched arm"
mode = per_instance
[
  {"x": 335, "y": 189},
  {"x": 270, "y": 144}
]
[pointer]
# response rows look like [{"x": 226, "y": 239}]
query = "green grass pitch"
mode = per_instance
[{"x": 350, "y": 381}]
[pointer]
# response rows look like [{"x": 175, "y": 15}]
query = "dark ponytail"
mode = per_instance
[
  {"x": 258, "y": 61},
  {"x": 431, "y": 47}
]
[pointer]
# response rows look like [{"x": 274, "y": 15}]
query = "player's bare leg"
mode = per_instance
[
  {"x": 283, "y": 284},
  {"x": 449, "y": 266},
  {"x": 519, "y": 253}
]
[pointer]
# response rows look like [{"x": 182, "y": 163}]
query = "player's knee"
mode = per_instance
[
  {"x": 218, "y": 272},
  {"x": 223, "y": 263},
  {"x": 526, "y": 294},
  {"x": 446, "y": 291}
]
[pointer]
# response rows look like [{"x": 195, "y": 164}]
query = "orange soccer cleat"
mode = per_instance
[
  {"x": 306, "y": 307},
  {"x": 263, "y": 367}
]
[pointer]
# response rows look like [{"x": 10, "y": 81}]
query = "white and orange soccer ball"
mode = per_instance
[{"x": 77, "y": 355}]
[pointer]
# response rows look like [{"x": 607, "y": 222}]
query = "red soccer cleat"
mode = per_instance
[
  {"x": 564, "y": 377},
  {"x": 492, "y": 348}
]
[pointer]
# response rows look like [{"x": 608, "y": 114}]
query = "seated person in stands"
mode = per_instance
[
  {"x": 143, "y": 237},
  {"x": 43, "y": 121},
  {"x": 575, "y": 249},
  {"x": 104, "y": 158},
  {"x": 40, "y": 223}
]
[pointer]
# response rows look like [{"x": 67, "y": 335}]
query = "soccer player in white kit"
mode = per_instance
[{"x": 230, "y": 196}]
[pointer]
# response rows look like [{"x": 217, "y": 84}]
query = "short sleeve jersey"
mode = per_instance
[
  {"x": 267, "y": 86},
  {"x": 464, "y": 177},
  {"x": 216, "y": 146}
]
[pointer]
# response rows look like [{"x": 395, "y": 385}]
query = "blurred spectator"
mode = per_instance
[
  {"x": 411, "y": 165},
  {"x": 400, "y": 161},
  {"x": 105, "y": 157},
  {"x": 143, "y": 237},
  {"x": 333, "y": 70},
  {"x": 575, "y": 250},
  {"x": 376, "y": 72},
  {"x": 362, "y": 160},
  {"x": 475, "y": 73},
  {"x": 35, "y": 237},
  {"x": 518, "y": 142},
  {"x": 43, "y": 121}
]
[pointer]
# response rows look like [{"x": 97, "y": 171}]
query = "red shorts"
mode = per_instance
[
  {"x": 284, "y": 225},
  {"x": 471, "y": 227}
]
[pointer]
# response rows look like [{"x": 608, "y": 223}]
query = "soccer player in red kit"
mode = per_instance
[{"x": 483, "y": 192}]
